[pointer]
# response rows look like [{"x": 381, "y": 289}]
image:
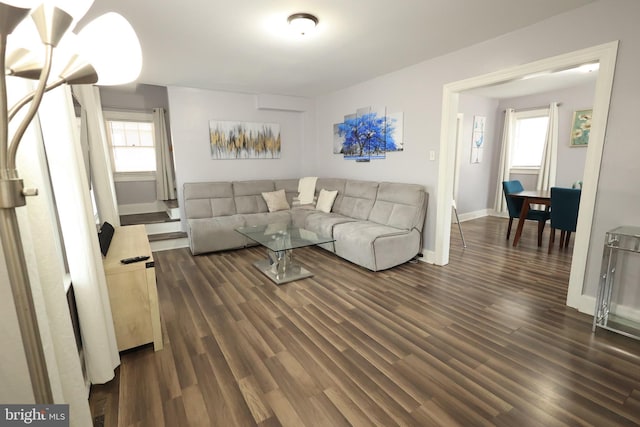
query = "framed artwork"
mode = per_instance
[
  {"x": 369, "y": 133},
  {"x": 580, "y": 128},
  {"x": 244, "y": 140},
  {"x": 477, "y": 138}
]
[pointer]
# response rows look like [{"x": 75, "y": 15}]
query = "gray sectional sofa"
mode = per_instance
[{"x": 376, "y": 225}]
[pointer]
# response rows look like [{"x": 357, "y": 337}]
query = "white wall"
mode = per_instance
[
  {"x": 191, "y": 111},
  {"x": 476, "y": 180},
  {"x": 417, "y": 91}
]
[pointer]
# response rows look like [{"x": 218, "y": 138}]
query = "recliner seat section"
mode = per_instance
[{"x": 376, "y": 225}]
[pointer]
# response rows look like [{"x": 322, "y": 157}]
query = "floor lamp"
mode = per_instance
[{"x": 19, "y": 57}]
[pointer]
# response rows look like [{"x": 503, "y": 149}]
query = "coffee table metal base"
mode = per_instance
[{"x": 280, "y": 267}]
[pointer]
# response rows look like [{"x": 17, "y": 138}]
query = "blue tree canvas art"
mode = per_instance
[{"x": 368, "y": 134}]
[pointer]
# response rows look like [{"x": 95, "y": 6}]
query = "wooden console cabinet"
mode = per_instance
[{"x": 132, "y": 289}]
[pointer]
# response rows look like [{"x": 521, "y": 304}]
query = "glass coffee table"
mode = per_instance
[{"x": 280, "y": 241}]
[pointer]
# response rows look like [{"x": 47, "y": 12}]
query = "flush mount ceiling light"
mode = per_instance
[{"x": 302, "y": 23}]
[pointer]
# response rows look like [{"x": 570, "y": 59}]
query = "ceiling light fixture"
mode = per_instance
[
  {"x": 589, "y": 68},
  {"x": 302, "y": 23}
]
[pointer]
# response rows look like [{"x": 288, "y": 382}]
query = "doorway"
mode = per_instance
[{"x": 606, "y": 56}]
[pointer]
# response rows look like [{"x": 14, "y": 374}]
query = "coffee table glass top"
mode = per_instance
[{"x": 282, "y": 237}]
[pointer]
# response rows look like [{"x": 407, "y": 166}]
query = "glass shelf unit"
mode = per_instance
[{"x": 623, "y": 239}]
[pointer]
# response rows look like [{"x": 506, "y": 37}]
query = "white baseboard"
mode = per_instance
[
  {"x": 139, "y": 208},
  {"x": 587, "y": 305},
  {"x": 472, "y": 215},
  {"x": 165, "y": 245}
]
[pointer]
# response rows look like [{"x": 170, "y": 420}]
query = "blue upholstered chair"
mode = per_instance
[
  {"x": 514, "y": 205},
  {"x": 564, "y": 214}
]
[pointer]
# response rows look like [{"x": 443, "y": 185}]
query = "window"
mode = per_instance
[
  {"x": 529, "y": 135},
  {"x": 131, "y": 138}
]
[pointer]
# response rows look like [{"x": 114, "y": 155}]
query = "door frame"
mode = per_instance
[{"x": 606, "y": 55}]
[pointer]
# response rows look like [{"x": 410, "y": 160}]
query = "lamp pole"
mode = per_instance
[
  {"x": 52, "y": 24},
  {"x": 12, "y": 196}
]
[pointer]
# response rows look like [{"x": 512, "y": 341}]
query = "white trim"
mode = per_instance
[
  {"x": 163, "y": 227},
  {"x": 165, "y": 245},
  {"x": 531, "y": 114},
  {"x": 139, "y": 208},
  {"x": 493, "y": 212},
  {"x": 127, "y": 116},
  {"x": 587, "y": 305},
  {"x": 459, "y": 149},
  {"x": 474, "y": 215},
  {"x": 525, "y": 171},
  {"x": 134, "y": 176},
  {"x": 427, "y": 256},
  {"x": 606, "y": 55}
]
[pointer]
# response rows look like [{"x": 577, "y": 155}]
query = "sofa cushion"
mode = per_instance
[
  {"x": 276, "y": 200},
  {"x": 358, "y": 199},
  {"x": 323, "y": 223},
  {"x": 248, "y": 196},
  {"x": 208, "y": 199},
  {"x": 251, "y": 220},
  {"x": 375, "y": 246},
  {"x": 215, "y": 234},
  {"x": 332, "y": 184},
  {"x": 399, "y": 205},
  {"x": 325, "y": 200}
]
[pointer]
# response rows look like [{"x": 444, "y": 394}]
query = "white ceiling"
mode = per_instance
[{"x": 242, "y": 45}]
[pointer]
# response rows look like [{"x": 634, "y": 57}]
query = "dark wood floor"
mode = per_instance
[{"x": 486, "y": 340}]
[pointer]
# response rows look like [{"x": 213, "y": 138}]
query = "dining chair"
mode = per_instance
[
  {"x": 514, "y": 206},
  {"x": 564, "y": 214}
]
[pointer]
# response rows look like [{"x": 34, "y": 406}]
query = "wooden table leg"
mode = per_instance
[{"x": 523, "y": 215}]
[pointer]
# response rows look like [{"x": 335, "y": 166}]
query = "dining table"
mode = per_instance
[{"x": 530, "y": 197}]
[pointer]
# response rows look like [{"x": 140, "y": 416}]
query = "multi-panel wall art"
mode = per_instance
[
  {"x": 244, "y": 140},
  {"x": 370, "y": 133}
]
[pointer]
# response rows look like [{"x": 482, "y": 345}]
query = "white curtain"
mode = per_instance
[
  {"x": 42, "y": 249},
  {"x": 505, "y": 159},
  {"x": 547, "y": 174},
  {"x": 43, "y": 252},
  {"x": 99, "y": 169},
  {"x": 75, "y": 212},
  {"x": 165, "y": 183}
]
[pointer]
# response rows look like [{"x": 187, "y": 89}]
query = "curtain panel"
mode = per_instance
[
  {"x": 504, "y": 169},
  {"x": 165, "y": 181}
]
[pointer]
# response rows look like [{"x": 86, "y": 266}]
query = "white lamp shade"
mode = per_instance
[
  {"x": 111, "y": 46},
  {"x": 25, "y": 36},
  {"x": 76, "y": 8}
]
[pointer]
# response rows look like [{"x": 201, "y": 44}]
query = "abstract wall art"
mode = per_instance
[
  {"x": 244, "y": 140},
  {"x": 477, "y": 138},
  {"x": 369, "y": 133}
]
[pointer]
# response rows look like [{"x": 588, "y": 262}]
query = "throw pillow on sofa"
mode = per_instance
[
  {"x": 276, "y": 200},
  {"x": 325, "y": 200}
]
